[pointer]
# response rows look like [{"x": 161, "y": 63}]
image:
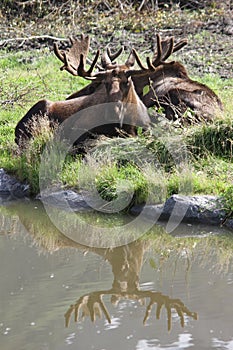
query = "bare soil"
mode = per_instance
[{"x": 209, "y": 31}]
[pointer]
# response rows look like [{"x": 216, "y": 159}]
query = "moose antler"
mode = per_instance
[
  {"x": 164, "y": 49},
  {"x": 107, "y": 58},
  {"x": 74, "y": 58}
]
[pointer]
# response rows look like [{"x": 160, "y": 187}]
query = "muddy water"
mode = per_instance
[{"x": 162, "y": 292}]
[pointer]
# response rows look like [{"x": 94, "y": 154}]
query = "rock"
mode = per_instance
[
  {"x": 191, "y": 209},
  {"x": 67, "y": 200},
  {"x": 11, "y": 188}
]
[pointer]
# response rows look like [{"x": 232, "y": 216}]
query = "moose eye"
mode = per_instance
[
  {"x": 114, "y": 73},
  {"x": 124, "y": 84}
]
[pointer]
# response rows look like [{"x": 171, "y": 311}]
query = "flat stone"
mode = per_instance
[{"x": 65, "y": 199}]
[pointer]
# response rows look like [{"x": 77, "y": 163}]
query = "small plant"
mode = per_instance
[
  {"x": 228, "y": 199},
  {"x": 29, "y": 158}
]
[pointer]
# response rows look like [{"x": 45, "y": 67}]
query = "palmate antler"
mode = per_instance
[
  {"x": 167, "y": 47},
  {"x": 92, "y": 305},
  {"x": 74, "y": 58}
]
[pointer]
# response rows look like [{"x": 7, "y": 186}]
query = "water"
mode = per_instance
[{"x": 188, "y": 274}]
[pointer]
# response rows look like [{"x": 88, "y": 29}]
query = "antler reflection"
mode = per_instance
[
  {"x": 169, "y": 304},
  {"x": 92, "y": 305}
]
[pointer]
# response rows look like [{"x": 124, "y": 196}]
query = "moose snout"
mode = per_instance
[
  {"x": 114, "y": 112},
  {"x": 114, "y": 91}
]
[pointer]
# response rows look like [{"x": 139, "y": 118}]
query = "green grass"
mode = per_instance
[
  {"x": 27, "y": 78},
  {"x": 30, "y": 76}
]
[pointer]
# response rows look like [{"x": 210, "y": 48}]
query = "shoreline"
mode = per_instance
[{"x": 196, "y": 209}]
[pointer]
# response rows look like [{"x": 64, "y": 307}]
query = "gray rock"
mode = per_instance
[
  {"x": 191, "y": 209},
  {"x": 67, "y": 200},
  {"x": 11, "y": 188}
]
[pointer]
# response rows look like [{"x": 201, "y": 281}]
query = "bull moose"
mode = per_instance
[
  {"x": 123, "y": 87},
  {"x": 171, "y": 88},
  {"x": 112, "y": 83}
]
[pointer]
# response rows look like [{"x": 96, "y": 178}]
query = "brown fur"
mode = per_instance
[{"x": 171, "y": 88}]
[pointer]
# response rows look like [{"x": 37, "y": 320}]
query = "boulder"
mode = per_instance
[{"x": 191, "y": 209}]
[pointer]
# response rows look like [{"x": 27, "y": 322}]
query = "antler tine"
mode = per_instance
[
  {"x": 58, "y": 53},
  {"x": 180, "y": 44},
  {"x": 165, "y": 48},
  {"x": 105, "y": 59},
  {"x": 169, "y": 49},
  {"x": 138, "y": 60},
  {"x": 113, "y": 56},
  {"x": 94, "y": 62},
  {"x": 68, "y": 315},
  {"x": 108, "y": 57},
  {"x": 130, "y": 60},
  {"x": 87, "y": 74},
  {"x": 157, "y": 60}
]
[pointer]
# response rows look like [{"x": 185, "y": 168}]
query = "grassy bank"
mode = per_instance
[
  {"x": 207, "y": 148},
  {"x": 196, "y": 159}
]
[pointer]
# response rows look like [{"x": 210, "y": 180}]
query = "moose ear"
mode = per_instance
[{"x": 131, "y": 60}]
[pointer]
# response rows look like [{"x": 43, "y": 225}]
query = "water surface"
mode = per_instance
[{"x": 186, "y": 276}]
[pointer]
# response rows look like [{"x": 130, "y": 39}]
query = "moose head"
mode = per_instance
[{"x": 170, "y": 87}]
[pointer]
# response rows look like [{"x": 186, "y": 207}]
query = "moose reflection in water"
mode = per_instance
[{"x": 126, "y": 263}]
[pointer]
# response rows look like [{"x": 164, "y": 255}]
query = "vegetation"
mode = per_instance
[{"x": 205, "y": 166}]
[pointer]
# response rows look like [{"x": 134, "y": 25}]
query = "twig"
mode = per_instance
[
  {"x": 13, "y": 99},
  {"x": 5, "y": 41},
  {"x": 141, "y": 5}
]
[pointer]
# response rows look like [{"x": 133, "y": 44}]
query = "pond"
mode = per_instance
[{"x": 159, "y": 291}]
